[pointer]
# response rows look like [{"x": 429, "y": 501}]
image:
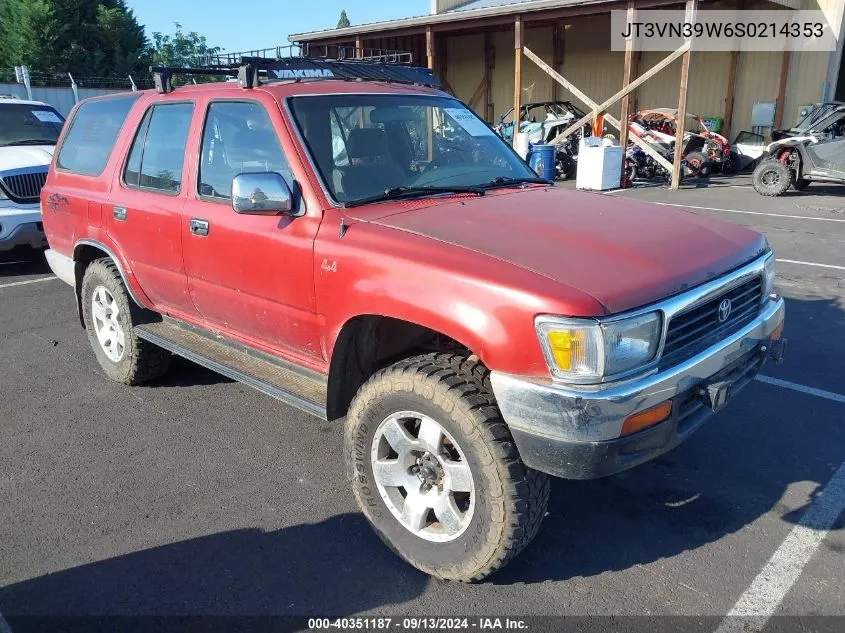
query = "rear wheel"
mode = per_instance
[
  {"x": 435, "y": 470},
  {"x": 110, "y": 316},
  {"x": 564, "y": 166},
  {"x": 771, "y": 178}
]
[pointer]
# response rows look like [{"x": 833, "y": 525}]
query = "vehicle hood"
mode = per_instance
[
  {"x": 623, "y": 253},
  {"x": 23, "y": 156}
]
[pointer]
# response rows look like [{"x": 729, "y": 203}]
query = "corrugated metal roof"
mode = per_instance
[{"x": 490, "y": 8}]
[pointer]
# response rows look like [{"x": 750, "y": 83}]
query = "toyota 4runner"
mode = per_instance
[{"x": 347, "y": 238}]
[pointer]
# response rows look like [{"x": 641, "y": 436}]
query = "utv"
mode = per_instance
[{"x": 815, "y": 154}]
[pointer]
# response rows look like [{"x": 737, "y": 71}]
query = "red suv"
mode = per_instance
[{"x": 371, "y": 251}]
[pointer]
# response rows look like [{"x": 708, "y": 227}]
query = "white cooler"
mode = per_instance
[{"x": 599, "y": 164}]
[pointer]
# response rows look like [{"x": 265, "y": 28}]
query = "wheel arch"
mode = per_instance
[
  {"x": 86, "y": 251},
  {"x": 369, "y": 342}
]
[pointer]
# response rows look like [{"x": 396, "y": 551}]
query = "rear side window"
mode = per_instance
[
  {"x": 158, "y": 151},
  {"x": 93, "y": 130}
]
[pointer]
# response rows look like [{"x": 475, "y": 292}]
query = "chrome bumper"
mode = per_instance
[{"x": 584, "y": 423}]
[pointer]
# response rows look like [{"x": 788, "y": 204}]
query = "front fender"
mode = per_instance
[{"x": 485, "y": 304}]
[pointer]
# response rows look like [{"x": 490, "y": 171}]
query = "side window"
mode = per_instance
[
  {"x": 238, "y": 138},
  {"x": 158, "y": 151},
  {"x": 93, "y": 130}
]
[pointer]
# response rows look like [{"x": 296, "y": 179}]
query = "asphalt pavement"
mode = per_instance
[{"x": 198, "y": 496}]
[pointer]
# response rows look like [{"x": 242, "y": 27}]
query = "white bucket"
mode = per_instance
[{"x": 522, "y": 144}]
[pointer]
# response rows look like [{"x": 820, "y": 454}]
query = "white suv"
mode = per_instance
[{"x": 28, "y": 134}]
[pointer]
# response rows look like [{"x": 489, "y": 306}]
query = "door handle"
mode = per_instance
[
  {"x": 119, "y": 213},
  {"x": 198, "y": 227}
]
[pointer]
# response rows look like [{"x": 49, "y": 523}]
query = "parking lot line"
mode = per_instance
[
  {"x": 775, "y": 215},
  {"x": 821, "y": 393},
  {"x": 795, "y": 261},
  {"x": 769, "y": 588},
  {"x": 28, "y": 281}
]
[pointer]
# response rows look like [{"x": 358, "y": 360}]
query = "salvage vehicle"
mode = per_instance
[
  {"x": 28, "y": 134},
  {"x": 472, "y": 328},
  {"x": 815, "y": 155},
  {"x": 704, "y": 151}
]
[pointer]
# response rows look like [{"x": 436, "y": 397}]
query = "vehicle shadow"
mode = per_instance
[
  {"x": 17, "y": 265},
  {"x": 184, "y": 373},
  {"x": 334, "y": 567}
]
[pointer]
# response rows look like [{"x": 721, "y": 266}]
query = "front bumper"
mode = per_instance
[
  {"x": 575, "y": 431},
  {"x": 20, "y": 226}
]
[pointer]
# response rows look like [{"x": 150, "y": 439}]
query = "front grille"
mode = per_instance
[
  {"x": 25, "y": 187},
  {"x": 699, "y": 327}
]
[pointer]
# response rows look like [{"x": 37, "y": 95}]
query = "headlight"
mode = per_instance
[
  {"x": 586, "y": 351},
  {"x": 769, "y": 277}
]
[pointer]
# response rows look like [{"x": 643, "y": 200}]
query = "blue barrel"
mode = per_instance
[{"x": 542, "y": 161}]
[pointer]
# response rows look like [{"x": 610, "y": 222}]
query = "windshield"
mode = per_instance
[
  {"x": 22, "y": 124},
  {"x": 815, "y": 117},
  {"x": 366, "y": 145}
]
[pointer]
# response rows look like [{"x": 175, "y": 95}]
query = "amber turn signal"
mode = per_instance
[
  {"x": 647, "y": 418},
  {"x": 777, "y": 332}
]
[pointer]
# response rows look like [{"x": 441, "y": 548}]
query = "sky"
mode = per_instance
[{"x": 237, "y": 25}]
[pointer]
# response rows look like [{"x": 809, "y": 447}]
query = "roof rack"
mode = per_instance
[{"x": 307, "y": 62}]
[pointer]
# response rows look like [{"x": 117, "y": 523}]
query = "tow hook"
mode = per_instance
[{"x": 776, "y": 350}]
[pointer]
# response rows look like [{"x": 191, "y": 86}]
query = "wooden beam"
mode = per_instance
[
  {"x": 729, "y": 96},
  {"x": 636, "y": 83},
  {"x": 359, "y": 53},
  {"x": 558, "y": 32},
  {"x": 479, "y": 92},
  {"x": 627, "y": 76},
  {"x": 681, "y": 119},
  {"x": 563, "y": 81},
  {"x": 429, "y": 47},
  {"x": 784, "y": 78},
  {"x": 489, "y": 52},
  {"x": 518, "y": 42}
]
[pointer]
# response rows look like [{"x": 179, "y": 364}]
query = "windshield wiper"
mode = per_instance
[
  {"x": 398, "y": 193},
  {"x": 31, "y": 141},
  {"x": 504, "y": 181}
]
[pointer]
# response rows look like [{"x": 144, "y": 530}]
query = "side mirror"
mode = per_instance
[{"x": 261, "y": 193}]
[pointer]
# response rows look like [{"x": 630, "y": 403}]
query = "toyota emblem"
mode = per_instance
[{"x": 724, "y": 310}]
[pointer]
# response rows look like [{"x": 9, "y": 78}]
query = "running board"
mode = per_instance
[{"x": 300, "y": 388}]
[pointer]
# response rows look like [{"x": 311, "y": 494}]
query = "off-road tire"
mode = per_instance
[
  {"x": 771, "y": 178},
  {"x": 511, "y": 498},
  {"x": 141, "y": 361}
]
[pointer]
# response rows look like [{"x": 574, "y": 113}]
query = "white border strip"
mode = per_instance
[
  {"x": 774, "y": 215},
  {"x": 795, "y": 261},
  {"x": 821, "y": 393},
  {"x": 28, "y": 281},
  {"x": 772, "y": 584}
]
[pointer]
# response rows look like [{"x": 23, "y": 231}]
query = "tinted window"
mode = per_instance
[
  {"x": 158, "y": 151},
  {"x": 22, "y": 124},
  {"x": 238, "y": 138},
  {"x": 86, "y": 148}
]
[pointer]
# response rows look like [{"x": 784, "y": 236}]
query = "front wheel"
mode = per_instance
[
  {"x": 435, "y": 470},
  {"x": 771, "y": 178}
]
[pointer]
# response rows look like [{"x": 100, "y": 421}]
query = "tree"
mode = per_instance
[
  {"x": 83, "y": 37},
  {"x": 343, "y": 22},
  {"x": 185, "y": 50}
]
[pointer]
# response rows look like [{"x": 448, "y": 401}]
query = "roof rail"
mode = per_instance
[{"x": 307, "y": 62}]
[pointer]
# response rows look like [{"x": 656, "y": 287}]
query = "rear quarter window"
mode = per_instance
[{"x": 93, "y": 130}]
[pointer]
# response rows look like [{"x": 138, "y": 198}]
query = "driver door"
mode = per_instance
[{"x": 250, "y": 276}]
